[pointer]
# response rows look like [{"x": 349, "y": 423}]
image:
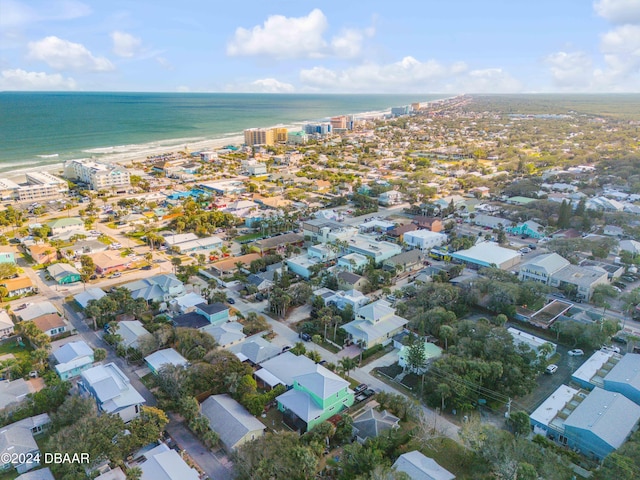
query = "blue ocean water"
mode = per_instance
[{"x": 46, "y": 128}]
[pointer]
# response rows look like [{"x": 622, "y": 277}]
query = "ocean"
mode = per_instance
[{"x": 38, "y": 129}]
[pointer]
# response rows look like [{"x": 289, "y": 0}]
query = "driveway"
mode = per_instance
[{"x": 216, "y": 468}]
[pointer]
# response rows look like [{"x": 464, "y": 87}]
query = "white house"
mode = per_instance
[
  {"x": 375, "y": 323},
  {"x": 424, "y": 239},
  {"x": 419, "y": 467}
]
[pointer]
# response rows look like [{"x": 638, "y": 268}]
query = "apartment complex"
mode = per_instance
[
  {"x": 265, "y": 136},
  {"x": 39, "y": 186},
  {"x": 98, "y": 176}
]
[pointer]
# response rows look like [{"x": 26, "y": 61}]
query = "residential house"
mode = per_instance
[
  {"x": 368, "y": 246},
  {"x": 304, "y": 265},
  {"x": 131, "y": 332},
  {"x": 371, "y": 423},
  {"x": 278, "y": 244},
  {"x": 255, "y": 350},
  {"x": 7, "y": 254},
  {"x": 41, "y": 474},
  {"x": 353, "y": 262},
  {"x": 228, "y": 266},
  {"x": 375, "y": 323},
  {"x": 42, "y": 253},
  {"x": 341, "y": 299},
  {"x": 282, "y": 369},
  {"x": 167, "y": 356},
  {"x": 405, "y": 261},
  {"x": 63, "y": 273},
  {"x": 35, "y": 310},
  {"x": 84, "y": 247},
  {"x": 630, "y": 246},
  {"x": 190, "y": 320},
  {"x": 431, "y": 353},
  {"x": 542, "y": 267},
  {"x": 18, "y": 286},
  {"x": 391, "y": 197},
  {"x": 489, "y": 221},
  {"x": 261, "y": 281},
  {"x": 112, "y": 391},
  {"x": 164, "y": 463},
  {"x": 424, "y": 239},
  {"x": 186, "y": 303},
  {"x": 14, "y": 391},
  {"x": 533, "y": 342},
  {"x": 529, "y": 228},
  {"x": 215, "y": 313},
  {"x": 51, "y": 324},
  {"x": 315, "y": 397},
  {"x": 225, "y": 334},
  {"x": 419, "y": 467},
  {"x": 109, "y": 262},
  {"x": 350, "y": 281},
  {"x": 6, "y": 324},
  {"x": 199, "y": 245},
  {"x": 159, "y": 288},
  {"x": 231, "y": 421},
  {"x": 72, "y": 359},
  {"x": 430, "y": 223},
  {"x": 66, "y": 227},
  {"x": 83, "y": 298},
  {"x": 16, "y": 441},
  {"x": 398, "y": 232}
]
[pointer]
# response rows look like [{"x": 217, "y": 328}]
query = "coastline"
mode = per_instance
[{"x": 131, "y": 153}]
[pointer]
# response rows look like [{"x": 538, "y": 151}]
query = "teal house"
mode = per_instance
[
  {"x": 315, "y": 397},
  {"x": 215, "y": 312},
  {"x": 72, "y": 359},
  {"x": 7, "y": 254},
  {"x": 529, "y": 228},
  {"x": 63, "y": 273}
]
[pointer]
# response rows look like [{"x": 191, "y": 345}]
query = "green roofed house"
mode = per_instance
[
  {"x": 66, "y": 226},
  {"x": 63, "y": 273},
  {"x": 315, "y": 397}
]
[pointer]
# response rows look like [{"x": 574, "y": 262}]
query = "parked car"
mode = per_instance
[
  {"x": 305, "y": 336},
  {"x": 231, "y": 300},
  {"x": 610, "y": 348},
  {"x": 286, "y": 347},
  {"x": 146, "y": 267},
  {"x": 576, "y": 352},
  {"x": 551, "y": 369},
  {"x": 360, "y": 388},
  {"x": 116, "y": 275}
]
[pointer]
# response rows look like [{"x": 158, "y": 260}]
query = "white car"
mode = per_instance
[
  {"x": 551, "y": 369},
  {"x": 610, "y": 348},
  {"x": 576, "y": 352}
]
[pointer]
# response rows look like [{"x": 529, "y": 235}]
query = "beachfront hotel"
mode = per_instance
[
  {"x": 265, "y": 136},
  {"x": 39, "y": 186},
  {"x": 98, "y": 176}
]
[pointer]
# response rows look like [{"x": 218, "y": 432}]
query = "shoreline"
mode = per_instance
[{"x": 141, "y": 151}]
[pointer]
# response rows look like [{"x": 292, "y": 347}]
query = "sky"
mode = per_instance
[{"x": 286, "y": 46}]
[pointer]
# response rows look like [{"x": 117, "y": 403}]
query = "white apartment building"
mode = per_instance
[
  {"x": 40, "y": 186},
  {"x": 98, "y": 176}
]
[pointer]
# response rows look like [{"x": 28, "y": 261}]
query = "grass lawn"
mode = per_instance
[
  {"x": 149, "y": 380},
  {"x": 273, "y": 421},
  {"x": 9, "y": 474},
  {"x": 457, "y": 459},
  {"x": 249, "y": 237},
  {"x": 13, "y": 348},
  {"x": 329, "y": 346}
]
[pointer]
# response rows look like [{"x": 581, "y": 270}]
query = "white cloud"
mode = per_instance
[
  {"x": 164, "y": 63},
  {"x": 618, "y": 11},
  {"x": 271, "y": 85},
  {"x": 621, "y": 49},
  {"x": 487, "y": 80},
  {"x": 570, "y": 69},
  {"x": 349, "y": 43},
  {"x": 282, "y": 37},
  {"x": 17, "y": 14},
  {"x": 125, "y": 44},
  {"x": 65, "y": 55},
  {"x": 18, "y": 79}
]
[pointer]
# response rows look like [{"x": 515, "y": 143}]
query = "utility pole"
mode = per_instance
[{"x": 508, "y": 413}]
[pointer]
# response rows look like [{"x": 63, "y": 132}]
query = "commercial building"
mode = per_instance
[
  {"x": 98, "y": 176},
  {"x": 265, "y": 136},
  {"x": 592, "y": 372},
  {"x": 424, "y": 239},
  {"x": 533, "y": 342},
  {"x": 624, "y": 377},
  {"x": 487, "y": 254},
  {"x": 583, "y": 279},
  {"x": 369, "y": 247},
  {"x": 541, "y": 268}
]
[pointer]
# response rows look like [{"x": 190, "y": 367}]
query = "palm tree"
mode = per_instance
[{"x": 347, "y": 364}]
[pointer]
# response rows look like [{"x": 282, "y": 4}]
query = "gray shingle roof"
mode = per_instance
[{"x": 230, "y": 420}]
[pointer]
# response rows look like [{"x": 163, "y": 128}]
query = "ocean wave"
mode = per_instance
[{"x": 53, "y": 155}]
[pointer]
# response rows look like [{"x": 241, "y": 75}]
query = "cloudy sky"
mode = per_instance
[{"x": 281, "y": 46}]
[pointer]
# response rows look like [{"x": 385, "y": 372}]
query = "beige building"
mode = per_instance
[{"x": 265, "y": 136}]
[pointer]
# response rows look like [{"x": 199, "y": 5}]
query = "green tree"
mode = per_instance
[
  {"x": 416, "y": 356},
  {"x": 347, "y": 364}
]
